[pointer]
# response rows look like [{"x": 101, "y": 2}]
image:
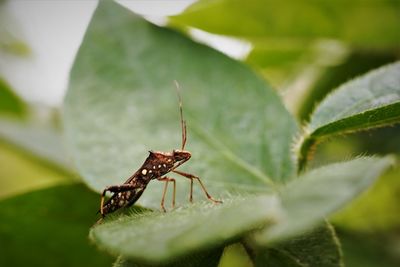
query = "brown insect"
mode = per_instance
[{"x": 155, "y": 167}]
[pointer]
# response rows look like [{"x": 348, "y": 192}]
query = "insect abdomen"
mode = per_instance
[{"x": 122, "y": 199}]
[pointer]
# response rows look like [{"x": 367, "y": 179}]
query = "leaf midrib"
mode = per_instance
[
  {"x": 230, "y": 155},
  {"x": 382, "y": 122}
]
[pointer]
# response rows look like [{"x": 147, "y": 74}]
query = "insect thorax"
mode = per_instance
[{"x": 156, "y": 165}]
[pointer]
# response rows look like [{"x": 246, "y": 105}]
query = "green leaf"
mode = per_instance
[
  {"x": 49, "y": 228},
  {"x": 382, "y": 200},
  {"x": 184, "y": 230},
  {"x": 320, "y": 192},
  {"x": 235, "y": 255},
  {"x": 370, "y": 250},
  {"x": 274, "y": 257},
  {"x": 206, "y": 258},
  {"x": 21, "y": 172},
  {"x": 355, "y": 63},
  {"x": 10, "y": 103},
  {"x": 376, "y": 89},
  {"x": 41, "y": 140},
  {"x": 319, "y": 247},
  {"x": 278, "y": 61},
  {"x": 373, "y": 100},
  {"x": 371, "y": 24},
  {"x": 121, "y": 103}
]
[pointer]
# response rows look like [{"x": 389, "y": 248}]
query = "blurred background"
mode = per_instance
[{"x": 304, "y": 49}]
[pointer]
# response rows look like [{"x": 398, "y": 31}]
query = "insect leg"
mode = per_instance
[
  {"x": 191, "y": 177},
  {"x": 191, "y": 191},
  {"x": 114, "y": 189},
  {"x": 166, "y": 180}
]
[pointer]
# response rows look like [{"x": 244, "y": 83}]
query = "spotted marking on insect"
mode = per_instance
[{"x": 129, "y": 192}]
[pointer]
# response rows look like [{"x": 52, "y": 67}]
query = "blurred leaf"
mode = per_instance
[
  {"x": 373, "y": 100},
  {"x": 319, "y": 193},
  {"x": 49, "y": 228},
  {"x": 13, "y": 45},
  {"x": 184, "y": 230},
  {"x": 206, "y": 258},
  {"x": 382, "y": 200},
  {"x": 235, "y": 256},
  {"x": 10, "y": 103},
  {"x": 371, "y": 23},
  {"x": 356, "y": 63},
  {"x": 377, "y": 141},
  {"x": 121, "y": 103},
  {"x": 273, "y": 54},
  {"x": 278, "y": 60},
  {"x": 319, "y": 247},
  {"x": 40, "y": 139},
  {"x": 10, "y": 41},
  {"x": 274, "y": 257},
  {"x": 21, "y": 172},
  {"x": 370, "y": 250}
]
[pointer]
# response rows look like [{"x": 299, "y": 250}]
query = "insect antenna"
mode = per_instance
[{"x": 183, "y": 122}]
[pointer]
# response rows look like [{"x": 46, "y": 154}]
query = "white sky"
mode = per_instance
[{"x": 54, "y": 29}]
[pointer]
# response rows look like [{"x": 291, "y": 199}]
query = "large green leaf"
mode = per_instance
[
  {"x": 49, "y": 228},
  {"x": 319, "y": 247},
  {"x": 121, "y": 102},
  {"x": 368, "y": 23},
  {"x": 184, "y": 230},
  {"x": 373, "y": 100},
  {"x": 320, "y": 192}
]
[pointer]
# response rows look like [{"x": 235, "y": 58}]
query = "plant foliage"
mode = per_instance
[{"x": 239, "y": 132}]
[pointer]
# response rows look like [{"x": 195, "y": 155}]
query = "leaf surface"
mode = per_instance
[
  {"x": 184, "y": 230},
  {"x": 121, "y": 103},
  {"x": 49, "y": 228},
  {"x": 372, "y": 100},
  {"x": 368, "y": 101},
  {"x": 42, "y": 140},
  {"x": 209, "y": 258},
  {"x": 320, "y": 192},
  {"x": 371, "y": 23},
  {"x": 319, "y": 247},
  {"x": 381, "y": 200},
  {"x": 21, "y": 172}
]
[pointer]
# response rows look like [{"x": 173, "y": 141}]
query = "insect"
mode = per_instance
[{"x": 155, "y": 167}]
